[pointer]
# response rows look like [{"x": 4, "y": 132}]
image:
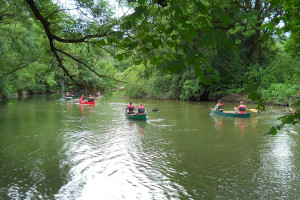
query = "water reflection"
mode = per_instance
[
  {"x": 218, "y": 123},
  {"x": 278, "y": 167},
  {"x": 84, "y": 108},
  {"x": 137, "y": 126},
  {"x": 179, "y": 153},
  {"x": 114, "y": 165},
  {"x": 241, "y": 125}
]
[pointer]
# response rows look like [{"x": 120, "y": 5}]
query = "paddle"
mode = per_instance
[
  {"x": 211, "y": 112},
  {"x": 253, "y": 110}
]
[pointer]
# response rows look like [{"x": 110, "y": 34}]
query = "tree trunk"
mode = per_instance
[{"x": 255, "y": 47}]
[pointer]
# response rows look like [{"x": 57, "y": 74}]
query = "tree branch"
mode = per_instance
[{"x": 84, "y": 64}]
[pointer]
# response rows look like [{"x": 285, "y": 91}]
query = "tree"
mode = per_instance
[{"x": 61, "y": 30}]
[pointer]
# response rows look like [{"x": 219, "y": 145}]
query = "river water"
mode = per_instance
[{"x": 57, "y": 149}]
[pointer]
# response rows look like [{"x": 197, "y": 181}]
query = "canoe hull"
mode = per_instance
[
  {"x": 86, "y": 102},
  {"x": 136, "y": 116},
  {"x": 232, "y": 114}
]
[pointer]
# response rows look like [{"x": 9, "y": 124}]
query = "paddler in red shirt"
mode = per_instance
[{"x": 242, "y": 108}]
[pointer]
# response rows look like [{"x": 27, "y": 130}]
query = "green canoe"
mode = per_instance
[
  {"x": 232, "y": 114},
  {"x": 136, "y": 116}
]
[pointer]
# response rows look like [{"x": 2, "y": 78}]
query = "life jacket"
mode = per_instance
[
  {"x": 90, "y": 99},
  {"x": 242, "y": 108},
  {"x": 131, "y": 108},
  {"x": 82, "y": 97},
  {"x": 220, "y": 106},
  {"x": 141, "y": 109}
]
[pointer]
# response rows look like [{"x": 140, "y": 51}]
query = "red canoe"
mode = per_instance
[{"x": 86, "y": 102}]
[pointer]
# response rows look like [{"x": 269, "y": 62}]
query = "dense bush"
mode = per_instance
[{"x": 282, "y": 94}]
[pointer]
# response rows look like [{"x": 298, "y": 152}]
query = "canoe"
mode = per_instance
[
  {"x": 136, "y": 116},
  {"x": 232, "y": 114},
  {"x": 86, "y": 102}
]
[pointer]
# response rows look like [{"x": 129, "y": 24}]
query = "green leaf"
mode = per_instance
[
  {"x": 126, "y": 25},
  {"x": 271, "y": 26},
  {"x": 170, "y": 44},
  {"x": 119, "y": 34},
  {"x": 101, "y": 43},
  {"x": 156, "y": 43},
  {"x": 138, "y": 62},
  {"x": 173, "y": 66},
  {"x": 133, "y": 45},
  {"x": 190, "y": 33},
  {"x": 226, "y": 20},
  {"x": 265, "y": 38},
  {"x": 140, "y": 35},
  {"x": 138, "y": 12},
  {"x": 220, "y": 38},
  {"x": 272, "y": 131},
  {"x": 119, "y": 57},
  {"x": 278, "y": 32},
  {"x": 141, "y": 2}
]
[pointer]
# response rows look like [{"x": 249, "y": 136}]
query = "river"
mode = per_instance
[{"x": 57, "y": 149}]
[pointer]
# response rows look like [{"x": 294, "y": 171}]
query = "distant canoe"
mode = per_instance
[
  {"x": 86, "y": 102},
  {"x": 136, "y": 116},
  {"x": 232, "y": 114}
]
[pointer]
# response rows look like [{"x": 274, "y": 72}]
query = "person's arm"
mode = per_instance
[{"x": 216, "y": 107}]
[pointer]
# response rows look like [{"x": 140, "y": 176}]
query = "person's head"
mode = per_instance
[
  {"x": 130, "y": 103},
  {"x": 242, "y": 103},
  {"x": 90, "y": 95},
  {"x": 219, "y": 101},
  {"x": 141, "y": 104}
]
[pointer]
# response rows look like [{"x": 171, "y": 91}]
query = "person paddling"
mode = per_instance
[
  {"x": 219, "y": 106},
  {"x": 91, "y": 98},
  {"x": 97, "y": 94},
  {"x": 242, "y": 108},
  {"x": 130, "y": 108},
  {"x": 68, "y": 94},
  {"x": 82, "y": 98},
  {"x": 141, "y": 109}
]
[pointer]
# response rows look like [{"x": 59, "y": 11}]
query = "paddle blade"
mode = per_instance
[{"x": 253, "y": 110}]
